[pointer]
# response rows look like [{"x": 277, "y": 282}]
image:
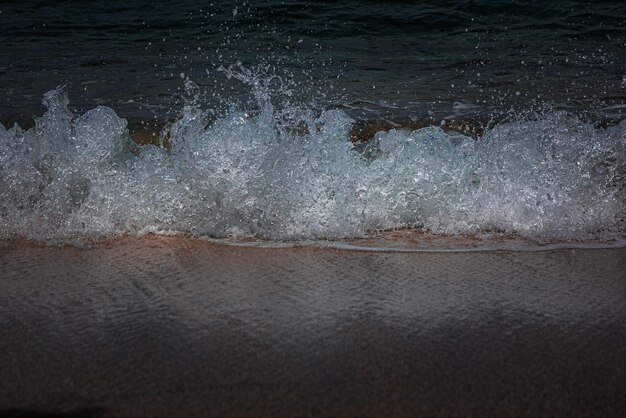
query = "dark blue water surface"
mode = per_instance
[{"x": 373, "y": 59}]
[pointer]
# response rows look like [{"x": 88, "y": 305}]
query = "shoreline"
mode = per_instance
[{"x": 406, "y": 240}]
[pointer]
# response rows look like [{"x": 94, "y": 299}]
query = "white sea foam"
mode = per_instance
[{"x": 286, "y": 175}]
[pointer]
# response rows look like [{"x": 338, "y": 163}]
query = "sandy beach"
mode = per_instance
[
  {"x": 283, "y": 208},
  {"x": 155, "y": 326}
]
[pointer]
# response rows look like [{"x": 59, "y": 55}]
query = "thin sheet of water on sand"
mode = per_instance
[
  {"x": 159, "y": 326},
  {"x": 416, "y": 240}
]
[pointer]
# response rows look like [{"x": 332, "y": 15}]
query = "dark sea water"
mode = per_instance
[
  {"x": 371, "y": 58},
  {"x": 260, "y": 99}
]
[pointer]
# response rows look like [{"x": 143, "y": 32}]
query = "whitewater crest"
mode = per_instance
[{"x": 277, "y": 176}]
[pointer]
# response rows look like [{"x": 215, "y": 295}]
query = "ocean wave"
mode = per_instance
[{"x": 295, "y": 175}]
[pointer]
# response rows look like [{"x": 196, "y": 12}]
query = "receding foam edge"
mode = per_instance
[{"x": 486, "y": 246}]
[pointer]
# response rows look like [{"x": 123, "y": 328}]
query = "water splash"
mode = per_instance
[{"x": 273, "y": 175}]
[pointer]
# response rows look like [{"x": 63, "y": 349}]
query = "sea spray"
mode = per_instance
[{"x": 294, "y": 174}]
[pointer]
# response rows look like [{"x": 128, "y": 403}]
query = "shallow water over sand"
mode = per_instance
[{"x": 162, "y": 326}]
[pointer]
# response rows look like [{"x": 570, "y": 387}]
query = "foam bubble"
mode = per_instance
[{"x": 277, "y": 176}]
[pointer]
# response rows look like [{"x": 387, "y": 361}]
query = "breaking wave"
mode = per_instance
[{"x": 294, "y": 175}]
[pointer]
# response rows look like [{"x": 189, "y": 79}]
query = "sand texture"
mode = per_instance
[{"x": 155, "y": 327}]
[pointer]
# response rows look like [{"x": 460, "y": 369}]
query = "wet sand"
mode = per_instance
[{"x": 155, "y": 327}]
